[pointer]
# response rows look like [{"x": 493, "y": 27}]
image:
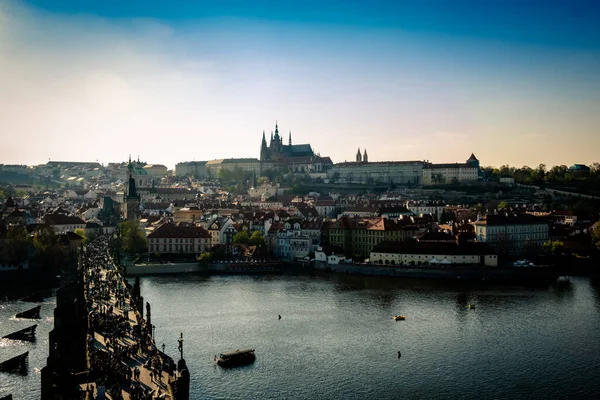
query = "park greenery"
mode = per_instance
[{"x": 556, "y": 175}]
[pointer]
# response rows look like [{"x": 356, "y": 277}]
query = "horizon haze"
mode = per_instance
[{"x": 514, "y": 83}]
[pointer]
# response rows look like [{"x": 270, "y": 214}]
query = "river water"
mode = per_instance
[{"x": 337, "y": 339}]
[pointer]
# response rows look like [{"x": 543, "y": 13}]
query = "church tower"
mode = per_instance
[
  {"x": 358, "y": 156},
  {"x": 365, "y": 156},
  {"x": 290, "y": 139},
  {"x": 131, "y": 199},
  {"x": 264, "y": 151}
]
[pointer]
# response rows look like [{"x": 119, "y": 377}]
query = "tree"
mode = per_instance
[
  {"x": 502, "y": 205},
  {"x": 50, "y": 253},
  {"x": 596, "y": 238},
  {"x": 438, "y": 178},
  {"x": 554, "y": 248},
  {"x": 133, "y": 240},
  {"x": 447, "y": 216},
  {"x": 257, "y": 239},
  {"x": 81, "y": 232},
  {"x": 335, "y": 177},
  {"x": 204, "y": 258},
  {"x": 17, "y": 245},
  {"x": 241, "y": 237}
]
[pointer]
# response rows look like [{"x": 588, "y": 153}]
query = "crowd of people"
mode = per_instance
[{"x": 128, "y": 346}]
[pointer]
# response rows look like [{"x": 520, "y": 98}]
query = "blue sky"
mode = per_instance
[{"x": 511, "y": 81}]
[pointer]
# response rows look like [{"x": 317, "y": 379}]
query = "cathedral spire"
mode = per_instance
[
  {"x": 263, "y": 149},
  {"x": 290, "y": 139},
  {"x": 358, "y": 156},
  {"x": 365, "y": 156}
]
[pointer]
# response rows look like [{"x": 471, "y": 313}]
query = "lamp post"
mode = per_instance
[{"x": 163, "y": 347}]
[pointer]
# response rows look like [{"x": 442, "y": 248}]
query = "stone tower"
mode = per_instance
[
  {"x": 264, "y": 151},
  {"x": 358, "y": 156},
  {"x": 365, "y": 156},
  {"x": 131, "y": 199}
]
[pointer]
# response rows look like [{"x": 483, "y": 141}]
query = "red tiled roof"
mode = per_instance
[{"x": 174, "y": 231}]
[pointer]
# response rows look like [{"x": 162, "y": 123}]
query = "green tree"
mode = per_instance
[
  {"x": 596, "y": 238},
  {"x": 241, "y": 237},
  {"x": 51, "y": 254},
  {"x": 335, "y": 177},
  {"x": 502, "y": 205},
  {"x": 81, "y": 232},
  {"x": 17, "y": 245},
  {"x": 133, "y": 240},
  {"x": 257, "y": 239},
  {"x": 554, "y": 248},
  {"x": 205, "y": 258}
]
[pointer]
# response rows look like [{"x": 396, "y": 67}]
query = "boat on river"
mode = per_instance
[
  {"x": 236, "y": 358},
  {"x": 399, "y": 317}
]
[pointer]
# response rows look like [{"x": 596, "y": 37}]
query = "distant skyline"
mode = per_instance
[{"x": 514, "y": 82}]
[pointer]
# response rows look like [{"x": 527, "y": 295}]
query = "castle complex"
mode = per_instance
[{"x": 301, "y": 158}]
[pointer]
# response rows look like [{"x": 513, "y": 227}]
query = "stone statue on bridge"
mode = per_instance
[{"x": 148, "y": 318}]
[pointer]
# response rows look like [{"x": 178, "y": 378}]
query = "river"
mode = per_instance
[{"x": 336, "y": 338}]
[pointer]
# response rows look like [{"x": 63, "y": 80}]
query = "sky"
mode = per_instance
[{"x": 514, "y": 82}]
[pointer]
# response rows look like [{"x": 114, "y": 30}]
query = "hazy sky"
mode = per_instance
[{"x": 514, "y": 82}]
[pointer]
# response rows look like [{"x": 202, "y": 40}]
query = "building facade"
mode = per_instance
[
  {"x": 512, "y": 234},
  {"x": 179, "y": 239}
]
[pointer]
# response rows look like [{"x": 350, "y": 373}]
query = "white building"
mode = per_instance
[
  {"x": 425, "y": 208},
  {"x": 452, "y": 172},
  {"x": 512, "y": 234},
  {"x": 414, "y": 253}
]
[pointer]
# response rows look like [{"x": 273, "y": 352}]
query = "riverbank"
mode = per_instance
[
  {"x": 474, "y": 273},
  {"x": 196, "y": 267}
]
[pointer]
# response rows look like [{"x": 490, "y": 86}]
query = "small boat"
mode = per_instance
[
  {"x": 471, "y": 306},
  {"x": 399, "y": 317},
  {"x": 34, "y": 313},
  {"x": 236, "y": 358},
  {"x": 27, "y": 334},
  {"x": 16, "y": 364}
]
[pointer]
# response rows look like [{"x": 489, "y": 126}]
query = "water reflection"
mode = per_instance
[
  {"x": 595, "y": 285},
  {"x": 563, "y": 289}
]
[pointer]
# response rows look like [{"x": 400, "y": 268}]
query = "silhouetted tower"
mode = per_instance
[
  {"x": 290, "y": 139},
  {"x": 365, "y": 156},
  {"x": 264, "y": 151},
  {"x": 131, "y": 198},
  {"x": 358, "y": 156}
]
